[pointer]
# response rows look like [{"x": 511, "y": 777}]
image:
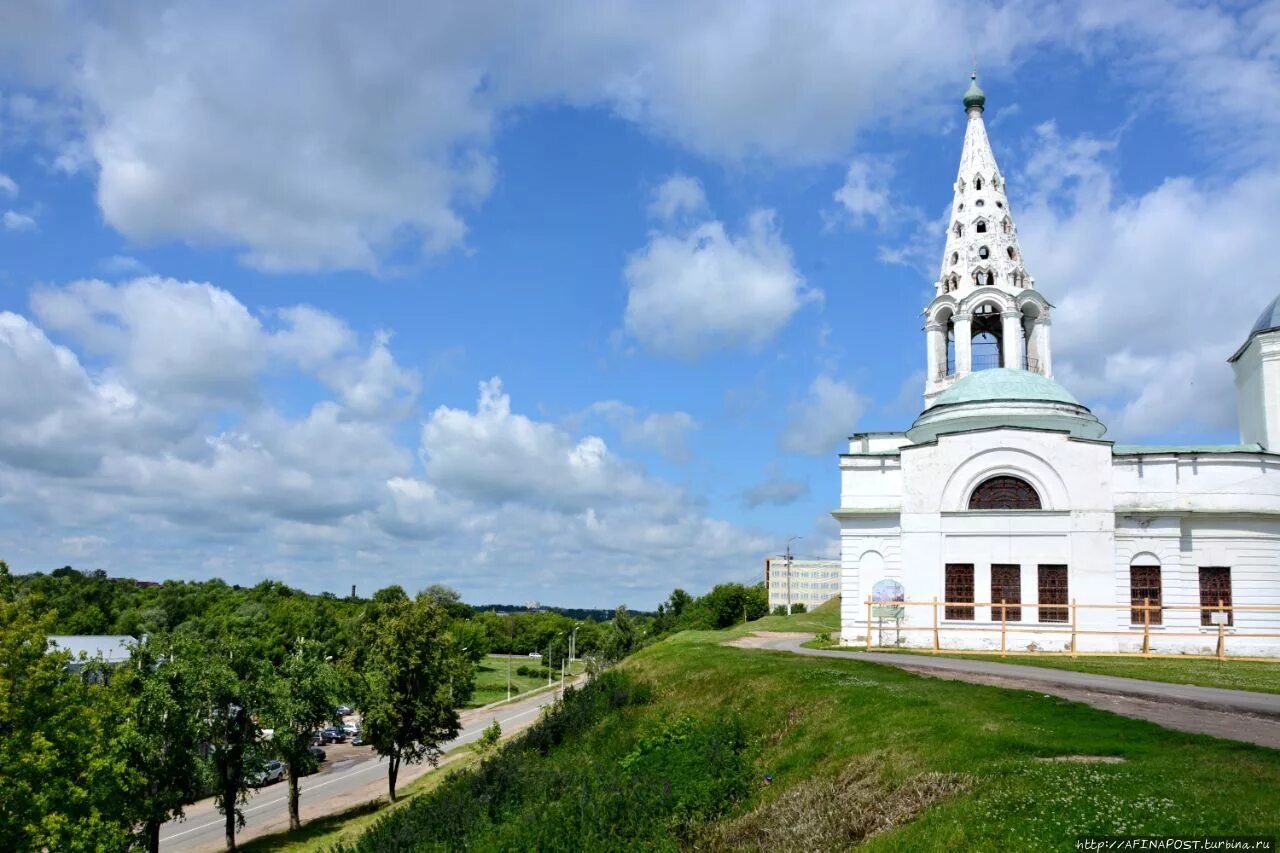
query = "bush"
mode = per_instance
[
  {"x": 575, "y": 781},
  {"x": 799, "y": 607}
]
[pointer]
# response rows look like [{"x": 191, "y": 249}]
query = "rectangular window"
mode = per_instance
[
  {"x": 1006, "y": 586},
  {"x": 1144, "y": 585},
  {"x": 1215, "y": 589},
  {"x": 1053, "y": 591},
  {"x": 959, "y": 588}
]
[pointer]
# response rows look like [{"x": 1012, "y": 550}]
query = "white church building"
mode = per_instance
[{"x": 1005, "y": 489}]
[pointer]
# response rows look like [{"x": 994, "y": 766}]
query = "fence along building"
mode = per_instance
[
  {"x": 812, "y": 581},
  {"x": 1005, "y": 490}
]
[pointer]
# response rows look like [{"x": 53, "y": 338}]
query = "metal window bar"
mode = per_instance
[{"x": 1144, "y": 586}]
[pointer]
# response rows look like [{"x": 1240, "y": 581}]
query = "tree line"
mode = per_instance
[{"x": 223, "y": 678}]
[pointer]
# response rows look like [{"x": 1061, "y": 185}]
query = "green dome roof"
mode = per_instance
[
  {"x": 974, "y": 96},
  {"x": 1004, "y": 383}
]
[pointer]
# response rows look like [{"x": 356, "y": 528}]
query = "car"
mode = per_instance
[
  {"x": 350, "y": 728},
  {"x": 271, "y": 771},
  {"x": 537, "y": 655},
  {"x": 317, "y": 753},
  {"x": 358, "y": 740},
  {"x": 342, "y": 710},
  {"x": 333, "y": 734}
]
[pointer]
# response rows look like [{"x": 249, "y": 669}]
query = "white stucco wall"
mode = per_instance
[
  {"x": 1100, "y": 512},
  {"x": 1257, "y": 373}
]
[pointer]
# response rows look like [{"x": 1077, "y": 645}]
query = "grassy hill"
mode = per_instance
[{"x": 692, "y": 744}]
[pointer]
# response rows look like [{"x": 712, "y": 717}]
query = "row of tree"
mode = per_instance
[{"x": 225, "y": 678}]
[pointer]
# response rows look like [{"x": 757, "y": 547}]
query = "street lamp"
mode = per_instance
[
  {"x": 789, "y": 541},
  {"x": 573, "y": 643}
]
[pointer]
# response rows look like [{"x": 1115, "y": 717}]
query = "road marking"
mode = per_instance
[{"x": 372, "y": 766}]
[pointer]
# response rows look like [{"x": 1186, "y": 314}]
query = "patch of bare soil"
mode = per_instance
[
  {"x": 821, "y": 814},
  {"x": 760, "y": 639},
  {"x": 1083, "y": 759}
]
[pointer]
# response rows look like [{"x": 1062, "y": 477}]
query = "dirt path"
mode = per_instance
[{"x": 1231, "y": 714}]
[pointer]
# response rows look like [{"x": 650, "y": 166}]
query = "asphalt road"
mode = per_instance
[{"x": 349, "y": 775}]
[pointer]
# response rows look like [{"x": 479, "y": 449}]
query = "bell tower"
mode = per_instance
[{"x": 986, "y": 311}]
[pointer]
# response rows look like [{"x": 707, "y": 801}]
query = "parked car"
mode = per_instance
[
  {"x": 317, "y": 753},
  {"x": 333, "y": 734},
  {"x": 535, "y": 655},
  {"x": 358, "y": 740},
  {"x": 350, "y": 728},
  {"x": 342, "y": 710},
  {"x": 272, "y": 771}
]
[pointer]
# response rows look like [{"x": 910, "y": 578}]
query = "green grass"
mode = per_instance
[
  {"x": 862, "y": 753},
  {"x": 491, "y": 678},
  {"x": 1234, "y": 675}
]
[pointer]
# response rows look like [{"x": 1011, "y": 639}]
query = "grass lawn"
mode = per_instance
[
  {"x": 817, "y": 718},
  {"x": 491, "y": 678}
]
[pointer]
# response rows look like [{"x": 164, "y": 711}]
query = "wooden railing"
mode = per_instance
[{"x": 1219, "y": 615}]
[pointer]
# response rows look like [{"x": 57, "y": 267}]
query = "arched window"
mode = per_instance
[
  {"x": 979, "y": 203},
  {"x": 1004, "y": 492},
  {"x": 961, "y": 206},
  {"x": 977, "y": 183},
  {"x": 982, "y": 227},
  {"x": 1012, "y": 254},
  {"x": 983, "y": 251},
  {"x": 955, "y": 257},
  {"x": 959, "y": 230},
  {"x": 1008, "y": 226}
]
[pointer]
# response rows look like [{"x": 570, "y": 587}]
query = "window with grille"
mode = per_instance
[
  {"x": 1004, "y": 493},
  {"x": 1144, "y": 585},
  {"x": 1053, "y": 591},
  {"x": 1215, "y": 587},
  {"x": 959, "y": 588},
  {"x": 1006, "y": 586}
]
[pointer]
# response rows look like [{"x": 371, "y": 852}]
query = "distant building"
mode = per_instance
[
  {"x": 812, "y": 581},
  {"x": 111, "y": 649}
]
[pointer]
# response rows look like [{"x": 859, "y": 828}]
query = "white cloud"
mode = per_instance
[
  {"x": 123, "y": 265},
  {"x": 865, "y": 193},
  {"x": 1153, "y": 292},
  {"x": 774, "y": 490},
  {"x": 174, "y": 482},
  {"x": 14, "y": 221},
  {"x": 373, "y": 131},
  {"x": 8, "y": 187},
  {"x": 665, "y": 432},
  {"x": 823, "y": 420},
  {"x": 676, "y": 196},
  {"x": 702, "y": 289}
]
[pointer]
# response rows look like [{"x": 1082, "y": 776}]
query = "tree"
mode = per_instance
[
  {"x": 302, "y": 700},
  {"x": 234, "y": 687},
  {"x": 624, "y": 637},
  {"x": 66, "y": 785},
  {"x": 488, "y": 740},
  {"x": 410, "y": 665},
  {"x": 163, "y": 743}
]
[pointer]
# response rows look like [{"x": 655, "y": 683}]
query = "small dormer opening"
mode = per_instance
[
  {"x": 1012, "y": 253},
  {"x": 959, "y": 229},
  {"x": 983, "y": 251},
  {"x": 977, "y": 183},
  {"x": 955, "y": 258},
  {"x": 999, "y": 203},
  {"x": 979, "y": 203},
  {"x": 1007, "y": 226},
  {"x": 982, "y": 227}
]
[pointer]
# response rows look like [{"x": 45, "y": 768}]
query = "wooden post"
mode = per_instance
[
  {"x": 935, "y": 624},
  {"x": 868, "y": 623},
  {"x": 1146, "y": 627},
  {"x": 1073, "y": 627},
  {"x": 1002, "y": 627},
  {"x": 1221, "y": 637}
]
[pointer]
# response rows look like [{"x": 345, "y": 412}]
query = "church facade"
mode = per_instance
[{"x": 1004, "y": 519}]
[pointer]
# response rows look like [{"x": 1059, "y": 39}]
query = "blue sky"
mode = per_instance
[{"x": 574, "y": 303}]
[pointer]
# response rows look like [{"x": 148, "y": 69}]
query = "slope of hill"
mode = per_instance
[{"x": 691, "y": 743}]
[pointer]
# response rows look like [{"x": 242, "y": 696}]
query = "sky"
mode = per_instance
[{"x": 575, "y": 302}]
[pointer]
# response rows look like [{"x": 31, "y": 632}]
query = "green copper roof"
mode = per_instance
[
  {"x": 1003, "y": 383},
  {"x": 974, "y": 96}
]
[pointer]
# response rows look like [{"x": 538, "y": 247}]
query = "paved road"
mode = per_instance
[
  {"x": 351, "y": 775},
  {"x": 1232, "y": 714}
]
